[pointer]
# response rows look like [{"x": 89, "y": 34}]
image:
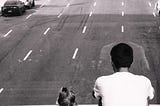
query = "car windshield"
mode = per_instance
[{"x": 14, "y": 2}]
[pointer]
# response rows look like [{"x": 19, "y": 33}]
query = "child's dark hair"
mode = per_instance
[{"x": 66, "y": 97}]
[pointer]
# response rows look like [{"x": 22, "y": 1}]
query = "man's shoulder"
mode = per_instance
[
  {"x": 101, "y": 78},
  {"x": 143, "y": 78}
]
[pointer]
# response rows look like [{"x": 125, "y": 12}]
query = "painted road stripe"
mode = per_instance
[
  {"x": 122, "y": 13},
  {"x": 75, "y": 53},
  {"x": 84, "y": 29},
  {"x": 154, "y": 14},
  {"x": 122, "y": 3},
  {"x": 95, "y": 4},
  {"x": 46, "y": 31},
  {"x": 59, "y": 15},
  {"x": 41, "y": 5},
  {"x": 27, "y": 55},
  {"x": 8, "y": 33},
  {"x": 90, "y": 13},
  {"x": 122, "y": 28},
  {"x": 28, "y": 16},
  {"x": 1, "y": 90},
  {"x": 68, "y": 5},
  {"x": 150, "y": 4}
]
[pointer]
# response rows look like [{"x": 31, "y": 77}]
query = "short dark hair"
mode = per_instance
[
  {"x": 122, "y": 55},
  {"x": 66, "y": 97}
]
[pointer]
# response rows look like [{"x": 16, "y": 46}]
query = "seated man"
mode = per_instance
[{"x": 123, "y": 88}]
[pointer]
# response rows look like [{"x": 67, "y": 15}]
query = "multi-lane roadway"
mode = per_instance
[{"x": 67, "y": 43}]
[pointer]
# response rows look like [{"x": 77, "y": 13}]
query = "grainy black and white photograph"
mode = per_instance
[{"x": 79, "y": 52}]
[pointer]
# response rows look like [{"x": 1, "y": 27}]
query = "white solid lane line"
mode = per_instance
[
  {"x": 28, "y": 16},
  {"x": 75, "y": 53},
  {"x": 46, "y": 31},
  {"x": 8, "y": 33},
  {"x": 84, "y": 29},
  {"x": 122, "y": 28},
  {"x": 1, "y": 90},
  {"x": 27, "y": 55}
]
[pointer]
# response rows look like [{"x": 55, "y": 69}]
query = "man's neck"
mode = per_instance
[{"x": 123, "y": 69}]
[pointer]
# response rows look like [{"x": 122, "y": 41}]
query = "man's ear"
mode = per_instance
[
  {"x": 114, "y": 67},
  {"x": 93, "y": 94},
  {"x": 112, "y": 63}
]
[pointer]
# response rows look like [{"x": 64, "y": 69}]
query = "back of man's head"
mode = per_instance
[{"x": 122, "y": 55}]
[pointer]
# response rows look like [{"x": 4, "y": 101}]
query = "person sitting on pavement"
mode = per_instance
[{"x": 123, "y": 88}]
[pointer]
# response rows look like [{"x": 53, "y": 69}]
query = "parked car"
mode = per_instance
[
  {"x": 29, "y": 3},
  {"x": 12, "y": 7}
]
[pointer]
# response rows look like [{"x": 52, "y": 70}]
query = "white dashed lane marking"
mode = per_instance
[
  {"x": 122, "y": 13},
  {"x": 150, "y": 4},
  {"x": 75, "y": 53},
  {"x": 122, "y": 3},
  {"x": 94, "y": 4},
  {"x": 25, "y": 58},
  {"x": 154, "y": 14},
  {"x": 8, "y": 33},
  {"x": 68, "y": 5},
  {"x": 1, "y": 90},
  {"x": 41, "y": 5},
  {"x": 59, "y": 15},
  {"x": 122, "y": 28},
  {"x": 90, "y": 13},
  {"x": 84, "y": 29},
  {"x": 46, "y": 31},
  {"x": 28, "y": 16}
]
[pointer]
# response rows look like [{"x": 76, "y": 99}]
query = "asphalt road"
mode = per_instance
[{"x": 67, "y": 43}]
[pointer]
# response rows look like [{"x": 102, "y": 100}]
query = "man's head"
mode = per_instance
[{"x": 121, "y": 56}]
